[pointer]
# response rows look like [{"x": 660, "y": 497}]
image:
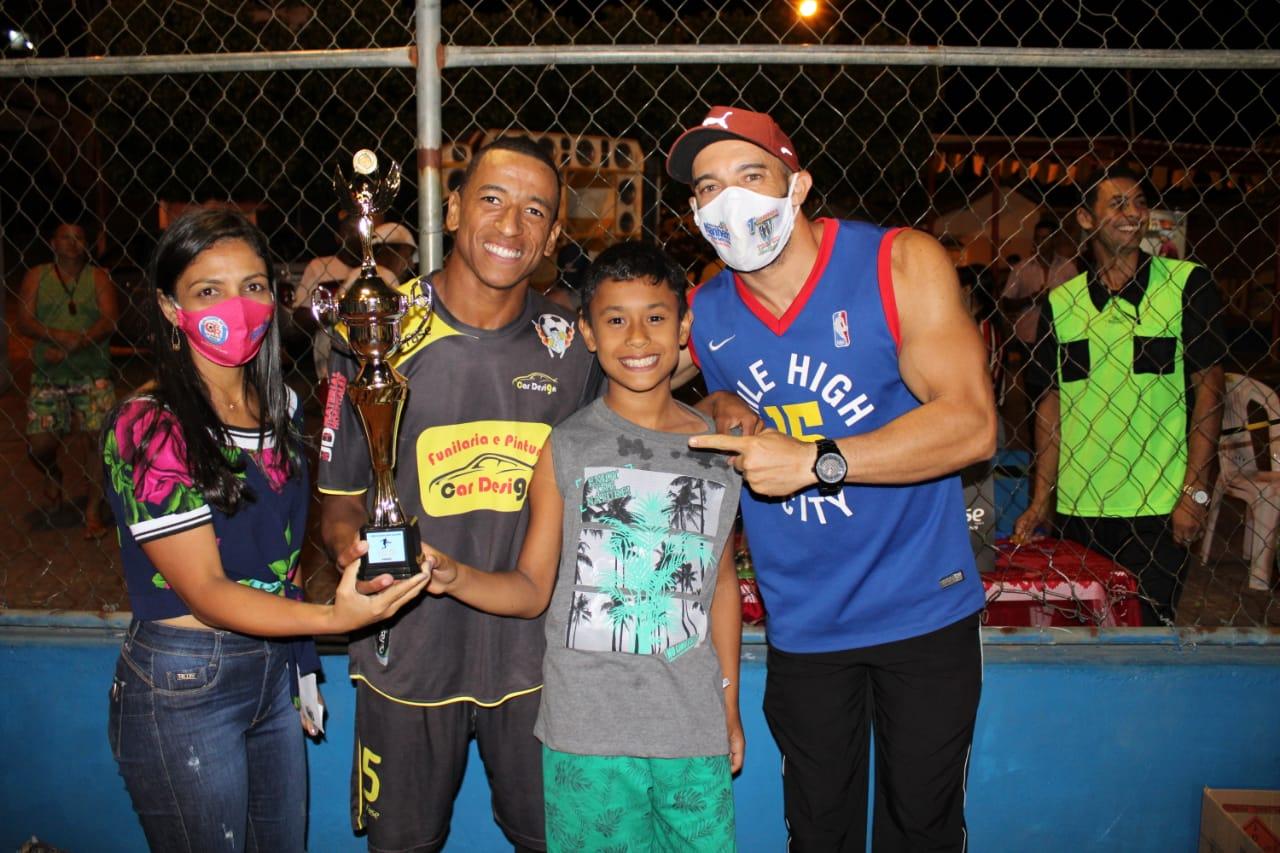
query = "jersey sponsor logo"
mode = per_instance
[
  {"x": 332, "y": 414},
  {"x": 542, "y": 383},
  {"x": 555, "y": 332},
  {"x": 833, "y": 388},
  {"x": 840, "y": 328},
  {"x": 951, "y": 579},
  {"x": 480, "y": 465},
  {"x": 715, "y": 346}
]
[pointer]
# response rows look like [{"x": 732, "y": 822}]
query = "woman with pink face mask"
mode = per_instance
[{"x": 208, "y": 484}]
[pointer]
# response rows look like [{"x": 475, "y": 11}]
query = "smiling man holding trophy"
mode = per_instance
[{"x": 494, "y": 369}]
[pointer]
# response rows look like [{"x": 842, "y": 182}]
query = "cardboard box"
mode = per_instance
[{"x": 1240, "y": 821}]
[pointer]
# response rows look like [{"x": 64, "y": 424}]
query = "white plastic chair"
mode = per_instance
[{"x": 1240, "y": 478}]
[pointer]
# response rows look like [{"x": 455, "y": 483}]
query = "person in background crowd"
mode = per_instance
[
  {"x": 498, "y": 368},
  {"x": 394, "y": 248},
  {"x": 571, "y": 262},
  {"x": 327, "y": 271},
  {"x": 976, "y": 290},
  {"x": 1024, "y": 288},
  {"x": 1032, "y": 278},
  {"x": 853, "y": 341},
  {"x": 1128, "y": 374},
  {"x": 69, "y": 307},
  {"x": 208, "y": 484},
  {"x": 399, "y": 249}
]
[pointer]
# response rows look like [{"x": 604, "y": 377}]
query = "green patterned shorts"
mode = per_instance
[
  {"x": 56, "y": 408},
  {"x": 620, "y": 804}
]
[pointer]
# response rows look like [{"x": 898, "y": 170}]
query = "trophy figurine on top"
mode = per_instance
[{"x": 373, "y": 313}]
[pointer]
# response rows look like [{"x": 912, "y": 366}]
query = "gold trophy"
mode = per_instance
[{"x": 373, "y": 312}]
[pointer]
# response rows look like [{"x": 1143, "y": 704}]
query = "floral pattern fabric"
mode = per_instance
[{"x": 259, "y": 546}]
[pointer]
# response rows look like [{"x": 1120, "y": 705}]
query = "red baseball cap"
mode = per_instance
[{"x": 729, "y": 123}]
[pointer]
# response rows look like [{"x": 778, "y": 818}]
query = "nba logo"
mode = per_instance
[{"x": 840, "y": 328}]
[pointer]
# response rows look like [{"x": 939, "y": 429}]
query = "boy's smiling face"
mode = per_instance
[{"x": 634, "y": 327}]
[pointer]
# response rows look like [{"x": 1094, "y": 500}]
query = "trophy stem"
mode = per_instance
[
  {"x": 378, "y": 394},
  {"x": 373, "y": 312}
]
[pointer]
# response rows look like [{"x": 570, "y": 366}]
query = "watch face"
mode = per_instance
[
  {"x": 1201, "y": 497},
  {"x": 831, "y": 468}
]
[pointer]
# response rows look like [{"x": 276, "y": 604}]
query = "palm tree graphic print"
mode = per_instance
[{"x": 643, "y": 556}]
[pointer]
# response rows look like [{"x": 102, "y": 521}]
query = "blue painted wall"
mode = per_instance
[{"x": 1085, "y": 746}]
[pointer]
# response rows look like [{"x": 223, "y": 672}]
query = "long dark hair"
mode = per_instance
[{"x": 179, "y": 387}]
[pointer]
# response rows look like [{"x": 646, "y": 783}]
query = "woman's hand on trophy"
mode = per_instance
[
  {"x": 353, "y": 609},
  {"x": 353, "y": 551}
]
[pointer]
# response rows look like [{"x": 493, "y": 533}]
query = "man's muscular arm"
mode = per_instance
[{"x": 942, "y": 360}]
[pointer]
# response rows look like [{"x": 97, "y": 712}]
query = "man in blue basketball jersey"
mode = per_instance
[{"x": 852, "y": 344}]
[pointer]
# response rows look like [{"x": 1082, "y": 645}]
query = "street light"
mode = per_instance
[
  {"x": 17, "y": 40},
  {"x": 807, "y": 8}
]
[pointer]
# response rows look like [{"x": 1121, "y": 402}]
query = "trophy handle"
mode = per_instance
[
  {"x": 324, "y": 307},
  {"x": 422, "y": 297},
  {"x": 343, "y": 188},
  {"x": 385, "y": 191}
]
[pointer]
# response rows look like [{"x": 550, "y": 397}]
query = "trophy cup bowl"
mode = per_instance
[{"x": 373, "y": 313}]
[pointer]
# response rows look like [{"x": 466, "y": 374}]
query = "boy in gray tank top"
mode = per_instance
[{"x": 627, "y": 554}]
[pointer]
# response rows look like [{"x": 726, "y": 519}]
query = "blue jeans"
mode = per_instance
[{"x": 207, "y": 739}]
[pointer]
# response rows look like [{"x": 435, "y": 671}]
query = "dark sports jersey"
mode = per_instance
[
  {"x": 481, "y": 404},
  {"x": 871, "y": 564}
]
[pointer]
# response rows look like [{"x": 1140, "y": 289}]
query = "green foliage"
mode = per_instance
[
  {"x": 688, "y": 800},
  {"x": 649, "y": 553}
]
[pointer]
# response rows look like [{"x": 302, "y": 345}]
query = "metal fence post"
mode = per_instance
[{"x": 430, "y": 226}]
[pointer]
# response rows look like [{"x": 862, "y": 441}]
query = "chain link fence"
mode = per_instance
[{"x": 974, "y": 121}]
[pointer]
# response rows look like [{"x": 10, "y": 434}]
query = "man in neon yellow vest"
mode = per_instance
[{"x": 1127, "y": 425}]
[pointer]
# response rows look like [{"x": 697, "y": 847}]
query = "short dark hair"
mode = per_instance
[
  {"x": 518, "y": 145},
  {"x": 634, "y": 259},
  {"x": 1113, "y": 172},
  {"x": 1047, "y": 224}
]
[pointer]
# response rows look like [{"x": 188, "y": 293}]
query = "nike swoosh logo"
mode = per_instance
[{"x": 715, "y": 345}]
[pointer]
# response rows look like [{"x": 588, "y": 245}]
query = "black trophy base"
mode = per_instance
[{"x": 393, "y": 550}]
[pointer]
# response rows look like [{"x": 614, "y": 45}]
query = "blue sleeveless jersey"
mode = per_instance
[{"x": 873, "y": 564}]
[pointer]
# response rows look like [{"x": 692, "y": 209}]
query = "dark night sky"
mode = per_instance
[{"x": 1217, "y": 106}]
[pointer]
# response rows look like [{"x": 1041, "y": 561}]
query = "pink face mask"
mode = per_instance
[{"x": 229, "y": 333}]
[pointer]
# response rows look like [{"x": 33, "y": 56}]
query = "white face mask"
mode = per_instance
[{"x": 747, "y": 230}]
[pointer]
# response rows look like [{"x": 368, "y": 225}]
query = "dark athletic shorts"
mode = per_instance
[{"x": 409, "y": 762}]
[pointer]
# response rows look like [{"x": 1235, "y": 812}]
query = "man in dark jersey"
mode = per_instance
[
  {"x": 498, "y": 369},
  {"x": 854, "y": 346}
]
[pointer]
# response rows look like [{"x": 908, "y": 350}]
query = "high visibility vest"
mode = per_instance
[{"x": 1122, "y": 387}]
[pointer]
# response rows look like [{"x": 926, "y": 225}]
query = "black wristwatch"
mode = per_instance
[{"x": 830, "y": 467}]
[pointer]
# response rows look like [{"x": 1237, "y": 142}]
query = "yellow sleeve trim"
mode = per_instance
[
  {"x": 453, "y": 701},
  {"x": 322, "y": 490}
]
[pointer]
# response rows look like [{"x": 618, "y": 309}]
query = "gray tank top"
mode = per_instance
[{"x": 629, "y": 667}]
